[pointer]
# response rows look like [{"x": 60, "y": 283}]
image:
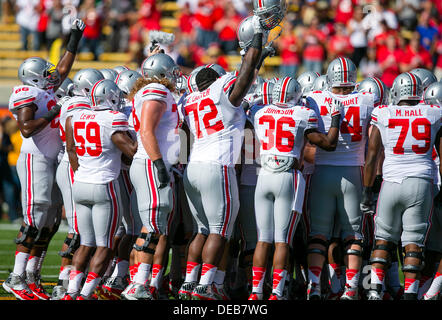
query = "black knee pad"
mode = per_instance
[
  {"x": 412, "y": 268},
  {"x": 354, "y": 252},
  {"x": 43, "y": 238},
  {"x": 382, "y": 261},
  {"x": 27, "y": 232},
  {"x": 73, "y": 244},
  {"x": 148, "y": 239},
  {"x": 322, "y": 252}
]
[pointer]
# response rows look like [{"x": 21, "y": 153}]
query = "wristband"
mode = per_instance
[
  {"x": 74, "y": 39},
  {"x": 159, "y": 164},
  {"x": 335, "y": 120}
]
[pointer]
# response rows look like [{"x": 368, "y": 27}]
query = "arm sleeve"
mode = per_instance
[
  {"x": 119, "y": 123},
  {"x": 22, "y": 97},
  {"x": 312, "y": 120},
  {"x": 374, "y": 117},
  {"x": 154, "y": 91}
]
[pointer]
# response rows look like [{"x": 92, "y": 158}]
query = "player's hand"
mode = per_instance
[
  {"x": 268, "y": 51},
  {"x": 336, "y": 108},
  {"x": 366, "y": 204},
  {"x": 163, "y": 173},
  {"x": 78, "y": 26},
  {"x": 256, "y": 23}
]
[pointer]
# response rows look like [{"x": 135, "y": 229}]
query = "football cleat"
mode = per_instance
[
  {"x": 91, "y": 297},
  {"x": 34, "y": 283},
  {"x": 313, "y": 292},
  {"x": 204, "y": 292},
  {"x": 114, "y": 286},
  {"x": 276, "y": 297},
  {"x": 58, "y": 293},
  {"x": 256, "y": 296},
  {"x": 16, "y": 285},
  {"x": 137, "y": 291},
  {"x": 154, "y": 293},
  {"x": 373, "y": 295},
  {"x": 174, "y": 288},
  {"x": 350, "y": 293},
  {"x": 219, "y": 290},
  {"x": 435, "y": 297},
  {"x": 185, "y": 292},
  {"x": 70, "y": 296}
]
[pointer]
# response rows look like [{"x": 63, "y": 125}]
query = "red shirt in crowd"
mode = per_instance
[
  {"x": 93, "y": 25},
  {"x": 207, "y": 14},
  {"x": 422, "y": 57},
  {"x": 340, "y": 45},
  {"x": 150, "y": 15},
  {"x": 228, "y": 33},
  {"x": 439, "y": 52},
  {"x": 186, "y": 23},
  {"x": 288, "y": 50},
  {"x": 392, "y": 59},
  {"x": 344, "y": 10},
  {"x": 314, "y": 51}
]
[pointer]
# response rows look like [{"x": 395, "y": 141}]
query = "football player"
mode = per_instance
[
  {"x": 336, "y": 184},
  {"x": 407, "y": 130},
  {"x": 156, "y": 122},
  {"x": 95, "y": 141},
  {"x": 34, "y": 107},
  {"x": 282, "y": 128},
  {"x": 82, "y": 84}
]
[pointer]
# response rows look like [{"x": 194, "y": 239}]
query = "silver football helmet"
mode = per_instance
[
  {"x": 287, "y": 91},
  {"x": 159, "y": 66},
  {"x": 65, "y": 89},
  {"x": 406, "y": 86},
  {"x": 216, "y": 67},
  {"x": 126, "y": 80},
  {"x": 341, "y": 72},
  {"x": 433, "y": 94},
  {"x": 375, "y": 86},
  {"x": 191, "y": 80},
  {"x": 427, "y": 77},
  {"x": 38, "y": 72},
  {"x": 120, "y": 69},
  {"x": 270, "y": 12},
  {"x": 109, "y": 74},
  {"x": 245, "y": 33},
  {"x": 264, "y": 92},
  {"x": 320, "y": 83},
  {"x": 106, "y": 95},
  {"x": 84, "y": 80},
  {"x": 306, "y": 80}
]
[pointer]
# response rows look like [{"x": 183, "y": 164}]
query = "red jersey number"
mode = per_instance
[
  {"x": 203, "y": 105},
  {"x": 416, "y": 132},
  {"x": 91, "y": 136},
  {"x": 276, "y": 137}
]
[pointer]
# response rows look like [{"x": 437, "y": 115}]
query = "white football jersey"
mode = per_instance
[
  {"x": 167, "y": 131},
  {"x": 98, "y": 158},
  {"x": 353, "y": 132},
  {"x": 408, "y": 134},
  {"x": 250, "y": 155},
  {"x": 47, "y": 142},
  {"x": 216, "y": 125},
  {"x": 281, "y": 130},
  {"x": 69, "y": 105}
]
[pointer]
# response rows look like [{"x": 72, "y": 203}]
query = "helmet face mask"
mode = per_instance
[
  {"x": 37, "y": 72},
  {"x": 65, "y": 89},
  {"x": 270, "y": 12}
]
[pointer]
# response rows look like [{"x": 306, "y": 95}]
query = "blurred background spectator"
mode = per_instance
[{"x": 384, "y": 37}]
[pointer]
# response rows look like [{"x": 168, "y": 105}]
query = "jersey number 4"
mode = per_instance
[
  {"x": 351, "y": 123},
  {"x": 276, "y": 133},
  {"x": 420, "y": 136},
  {"x": 90, "y": 134}
]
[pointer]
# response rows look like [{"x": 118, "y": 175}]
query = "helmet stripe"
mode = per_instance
[
  {"x": 344, "y": 69},
  {"x": 260, "y": 5},
  {"x": 283, "y": 90},
  {"x": 93, "y": 92},
  {"x": 381, "y": 89},
  {"x": 413, "y": 79},
  {"x": 265, "y": 93}
]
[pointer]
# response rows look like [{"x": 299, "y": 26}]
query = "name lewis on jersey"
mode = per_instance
[
  {"x": 409, "y": 113},
  {"x": 87, "y": 116}
]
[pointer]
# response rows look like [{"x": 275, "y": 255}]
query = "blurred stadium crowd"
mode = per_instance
[{"x": 383, "y": 37}]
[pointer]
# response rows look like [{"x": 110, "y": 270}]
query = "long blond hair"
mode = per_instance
[{"x": 142, "y": 82}]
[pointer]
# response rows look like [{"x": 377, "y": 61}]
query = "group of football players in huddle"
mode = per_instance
[{"x": 241, "y": 187}]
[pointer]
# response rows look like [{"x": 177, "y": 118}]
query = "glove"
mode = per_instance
[
  {"x": 163, "y": 173},
  {"x": 53, "y": 113},
  {"x": 268, "y": 51},
  {"x": 76, "y": 34},
  {"x": 336, "y": 108},
  {"x": 366, "y": 204},
  {"x": 256, "y": 23}
]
